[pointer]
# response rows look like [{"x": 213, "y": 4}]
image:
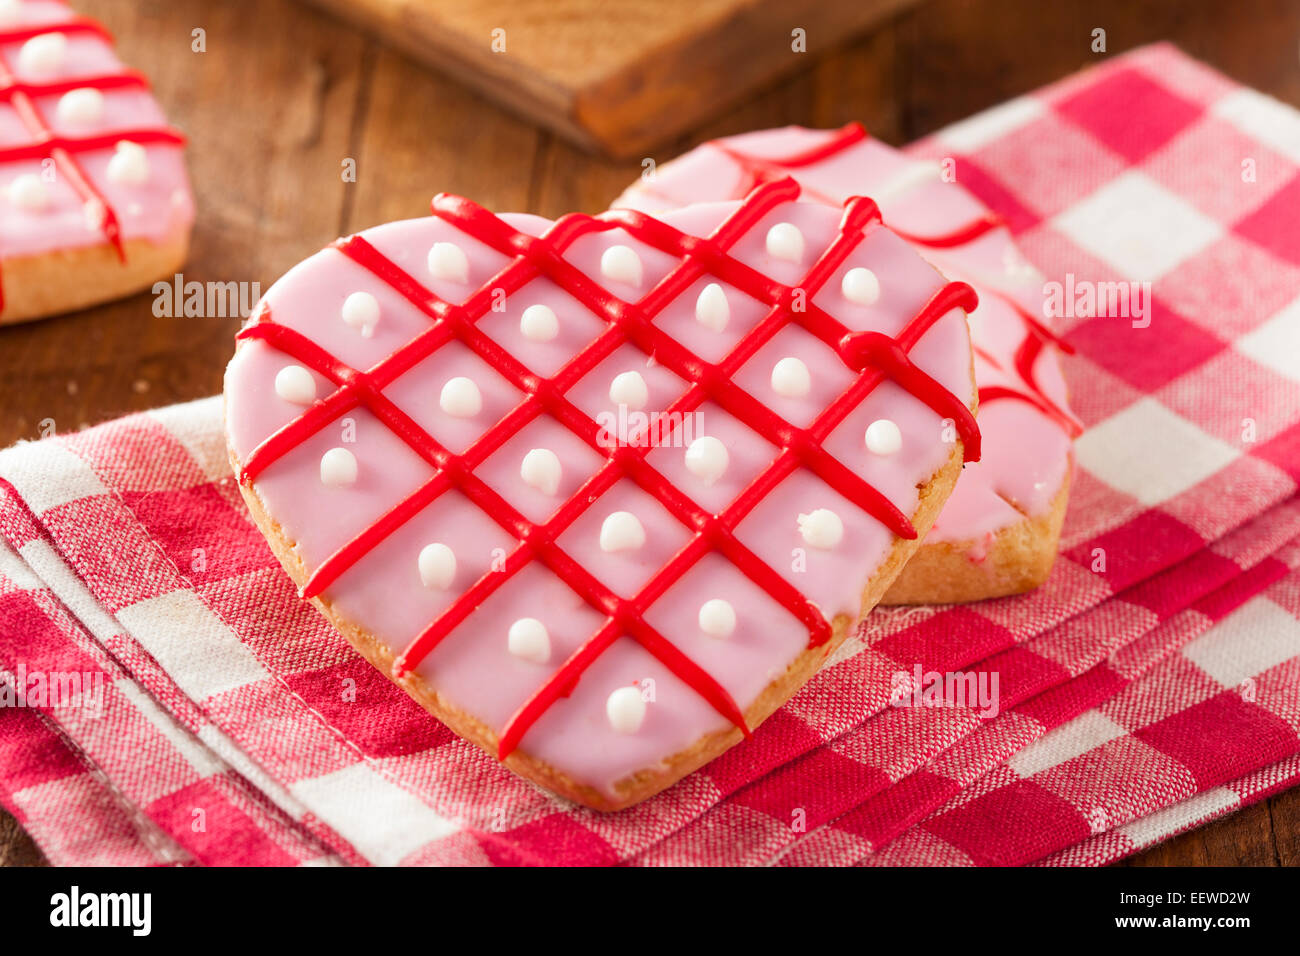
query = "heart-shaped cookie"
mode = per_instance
[
  {"x": 998, "y": 533},
  {"x": 596, "y": 492},
  {"x": 94, "y": 198}
]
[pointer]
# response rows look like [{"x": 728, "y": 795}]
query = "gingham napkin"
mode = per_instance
[
  {"x": 236, "y": 727},
  {"x": 1187, "y": 707}
]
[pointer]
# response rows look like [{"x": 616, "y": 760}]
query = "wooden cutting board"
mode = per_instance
[{"x": 620, "y": 76}]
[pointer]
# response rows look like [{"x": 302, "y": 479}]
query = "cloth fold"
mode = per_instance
[{"x": 235, "y": 726}]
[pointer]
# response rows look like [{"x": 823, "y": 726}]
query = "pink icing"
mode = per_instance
[
  {"x": 472, "y": 666},
  {"x": 1026, "y": 453},
  {"x": 153, "y": 210}
]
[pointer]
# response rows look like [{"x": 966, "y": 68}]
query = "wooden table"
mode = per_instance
[{"x": 284, "y": 94}]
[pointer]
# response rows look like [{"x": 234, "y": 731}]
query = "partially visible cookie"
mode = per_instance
[
  {"x": 95, "y": 203},
  {"x": 601, "y": 499},
  {"x": 998, "y": 533}
]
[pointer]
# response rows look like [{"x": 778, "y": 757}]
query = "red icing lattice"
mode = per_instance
[
  {"x": 47, "y": 144},
  {"x": 872, "y": 355},
  {"x": 765, "y": 169}
]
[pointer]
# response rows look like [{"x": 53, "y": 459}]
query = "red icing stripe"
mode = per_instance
[
  {"x": 960, "y": 236},
  {"x": 873, "y": 356},
  {"x": 1026, "y": 355},
  {"x": 46, "y": 144},
  {"x": 1037, "y": 327},
  {"x": 840, "y": 140},
  {"x": 72, "y": 26}
]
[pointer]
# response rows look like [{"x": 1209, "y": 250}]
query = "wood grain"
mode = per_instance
[
  {"x": 618, "y": 76},
  {"x": 285, "y": 94}
]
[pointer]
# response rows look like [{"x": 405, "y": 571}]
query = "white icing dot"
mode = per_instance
[
  {"x": 43, "y": 55},
  {"x": 630, "y": 389},
  {"x": 81, "y": 107},
  {"x": 625, "y": 709},
  {"x": 790, "y": 378},
  {"x": 338, "y": 467},
  {"x": 883, "y": 437},
  {"x": 621, "y": 264},
  {"x": 447, "y": 261},
  {"x": 822, "y": 529},
  {"x": 621, "y": 531},
  {"x": 461, "y": 398},
  {"x": 28, "y": 192},
  {"x": 785, "y": 241},
  {"x": 11, "y": 11},
  {"x": 711, "y": 309},
  {"x": 860, "y": 286},
  {"x": 361, "y": 311},
  {"x": 294, "y": 384},
  {"x": 541, "y": 470},
  {"x": 539, "y": 323},
  {"x": 129, "y": 165},
  {"x": 527, "y": 639},
  {"x": 707, "y": 458},
  {"x": 717, "y": 618},
  {"x": 437, "y": 564}
]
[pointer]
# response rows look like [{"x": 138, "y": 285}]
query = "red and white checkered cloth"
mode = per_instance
[{"x": 236, "y": 727}]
